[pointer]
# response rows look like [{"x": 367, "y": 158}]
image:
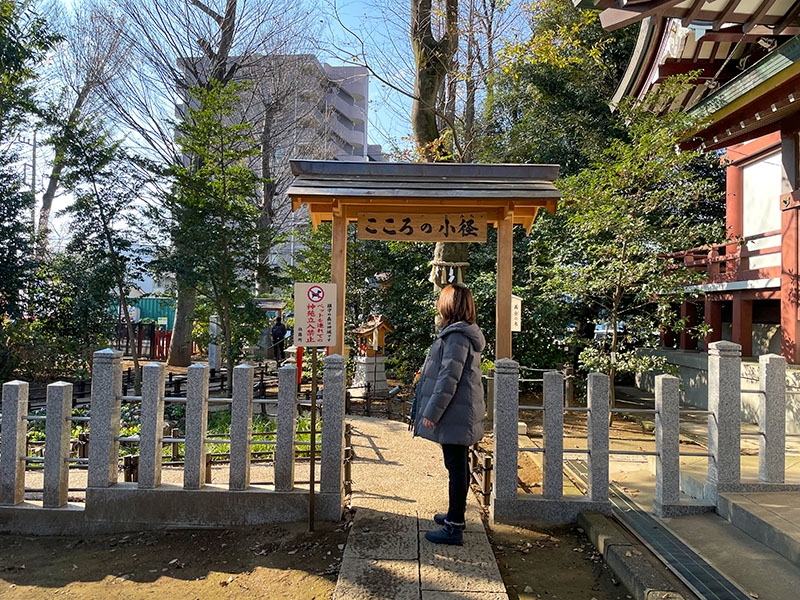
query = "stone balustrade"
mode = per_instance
[
  {"x": 112, "y": 505},
  {"x": 724, "y": 436}
]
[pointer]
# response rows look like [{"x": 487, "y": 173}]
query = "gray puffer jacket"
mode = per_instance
[{"x": 450, "y": 388}]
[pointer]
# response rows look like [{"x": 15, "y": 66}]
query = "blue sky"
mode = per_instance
[{"x": 389, "y": 111}]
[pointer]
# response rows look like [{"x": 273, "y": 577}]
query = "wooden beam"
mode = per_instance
[
  {"x": 615, "y": 18},
  {"x": 726, "y": 14},
  {"x": 694, "y": 10},
  {"x": 756, "y": 19},
  {"x": 730, "y": 37},
  {"x": 790, "y": 17},
  {"x": 339, "y": 277},
  {"x": 671, "y": 67},
  {"x": 505, "y": 270}
]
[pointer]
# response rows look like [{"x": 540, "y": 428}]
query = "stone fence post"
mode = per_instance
[
  {"x": 597, "y": 436},
  {"x": 194, "y": 449},
  {"x": 724, "y": 420},
  {"x": 667, "y": 443},
  {"x": 58, "y": 431},
  {"x": 772, "y": 418},
  {"x": 332, "y": 460},
  {"x": 214, "y": 349},
  {"x": 12, "y": 442},
  {"x": 506, "y": 418},
  {"x": 286, "y": 429},
  {"x": 104, "y": 424},
  {"x": 241, "y": 427},
  {"x": 553, "y": 431},
  {"x": 152, "y": 429}
]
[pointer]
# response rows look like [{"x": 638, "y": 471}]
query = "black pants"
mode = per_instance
[
  {"x": 456, "y": 459},
  {"x": 278, "y": 345}
]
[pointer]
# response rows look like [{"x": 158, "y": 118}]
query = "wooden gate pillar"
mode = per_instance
[
  {"x": 505, "y": 269},
  {"x": 339, "y": 276}
]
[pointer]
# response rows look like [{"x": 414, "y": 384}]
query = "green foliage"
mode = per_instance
[
  {"x": 638, "y": 201},
  {"x": 25, "y": 39},
  {"x": 213, "y": 218},
  {"x": 549, "y": 104}
]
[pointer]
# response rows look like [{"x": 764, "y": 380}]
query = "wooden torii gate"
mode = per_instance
[{"x": 424, "y": 201}]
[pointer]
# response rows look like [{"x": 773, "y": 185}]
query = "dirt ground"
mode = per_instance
[
  {"x": 552, "y": 563},
  {"x": 278, "y": 561}
]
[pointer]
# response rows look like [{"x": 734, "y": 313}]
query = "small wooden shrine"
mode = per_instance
[
  {"x": 371, "y": 336},
  {"x": 370, "y": 362}
]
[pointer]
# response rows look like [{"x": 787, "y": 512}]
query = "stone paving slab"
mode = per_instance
[
  {"x": 364, "y": 579},
  {"x": 383, "y": 536},
  {"x": 399, "y": 484},
  {"x": 468, "y": 568}
]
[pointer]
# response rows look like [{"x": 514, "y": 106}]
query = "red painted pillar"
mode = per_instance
[
  {"x": 734, "y": 210},
  {"x": 713, "y": 317},
  {"x": 733, "y": 201},
  {"x": 743, "y": 324},
  {"x": 790, "y": 261},
  {"x": 689, "y": 314}
]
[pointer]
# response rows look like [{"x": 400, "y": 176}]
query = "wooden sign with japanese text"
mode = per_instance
[
  {"x": 451, "y": 227},
  {"x": 314, "y": 314},
  {"x": 516, "y": 313}
]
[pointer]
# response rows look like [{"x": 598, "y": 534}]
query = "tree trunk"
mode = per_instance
[
  {"x": 266, "y": 216},
  {"x": 58, "y": 166},
  {"x": 469, "y": 105},
  {"x": 433, "y": 61},
  {"x": 180, "y": 348}
]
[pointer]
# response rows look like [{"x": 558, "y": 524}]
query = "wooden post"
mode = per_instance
[
  {"x": 713, "y": 317},
  {"x": 742, "y": 326},
  {"x": 313, "y": 439},
  {"x": 505, "y": 267},
  {"x": 688, "y": 312},
  {"x": 348, "y": 459},
  {"x": 339, "y": 276}
]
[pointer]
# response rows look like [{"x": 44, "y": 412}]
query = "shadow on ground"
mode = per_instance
[{"x": 277, "y": 561}]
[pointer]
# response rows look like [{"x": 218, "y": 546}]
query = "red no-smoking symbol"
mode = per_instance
[{"x": 316, "y": 293}]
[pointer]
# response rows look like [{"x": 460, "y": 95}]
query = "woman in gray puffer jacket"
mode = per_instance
[{"x": 449, "y": 404}]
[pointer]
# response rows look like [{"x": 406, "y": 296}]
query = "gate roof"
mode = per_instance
[{"x": 345, "y": 188}]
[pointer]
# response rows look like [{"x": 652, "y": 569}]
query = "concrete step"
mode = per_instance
[
  {"x": 754, "y": 567},
  {"x": 771, "y": 518}
]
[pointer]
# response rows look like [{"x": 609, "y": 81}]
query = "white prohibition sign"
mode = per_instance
[{"x": 316, "y": 293}]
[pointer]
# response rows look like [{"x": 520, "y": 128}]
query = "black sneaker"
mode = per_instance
[
  {"x": 448, "y": 534},
  {"x": 441, "y": 518}
]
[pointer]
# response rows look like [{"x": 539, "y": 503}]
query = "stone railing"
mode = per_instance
[
  {"x": 724, "y": 436},
  {"x": 115, "y": 506}
]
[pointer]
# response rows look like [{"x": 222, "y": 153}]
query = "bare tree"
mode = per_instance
[
  {"x": 87, "y": 58},
  {"x": 445, "y": 85},
  {"x": 177, "y": 45},
  {"x": 377, "y": 43}
]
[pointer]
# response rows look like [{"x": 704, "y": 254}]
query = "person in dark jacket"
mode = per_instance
[
  {"x": 450, "y": 404},
  {"x": 278, "y": 333}
]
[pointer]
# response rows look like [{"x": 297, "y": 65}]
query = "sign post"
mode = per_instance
[
  {"x": 314, "y": 315},
  {"x": 516, "y": 313}
]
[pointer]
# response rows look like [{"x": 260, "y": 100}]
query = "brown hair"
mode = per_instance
[{"x": 456, "y": 304}]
